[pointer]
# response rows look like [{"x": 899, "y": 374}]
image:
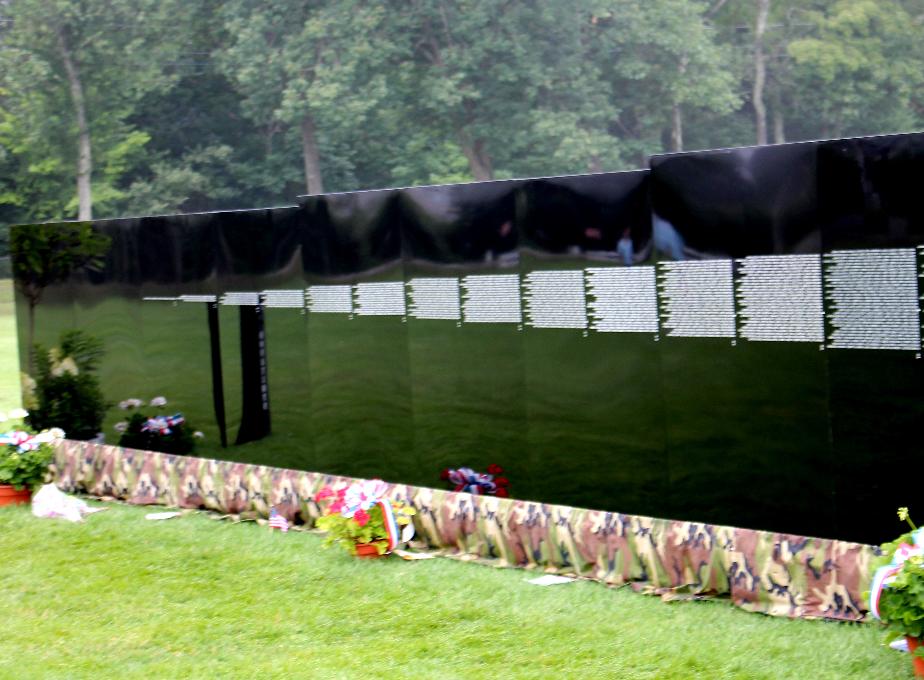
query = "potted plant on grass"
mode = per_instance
[
  {"x": 24, "y": 459},
  {"x": 897, "y": 591},
  {"x": 362, "y": 520}
]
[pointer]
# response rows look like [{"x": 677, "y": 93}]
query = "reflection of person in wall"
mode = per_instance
[
  {"x": 666, "y": 238},
  {"x": 625, "y": 248}
]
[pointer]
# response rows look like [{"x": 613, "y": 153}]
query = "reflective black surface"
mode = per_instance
[
  {"x": 746, "y": 421},
  {"x": 594, "y": 407},
  {"x": 557, "y": 327},
  {"x": 467, "y": 376},
  {"x": 870, "y": 198}
]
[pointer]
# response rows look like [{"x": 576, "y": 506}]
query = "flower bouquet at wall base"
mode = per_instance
[
  {"x": 479, "y": 483},
  {"x": 360, "y": 517},
  {"x": 155, "y": 431},
  {"x": 25, "y": 455},
  {"x": 897, "y": 591}
]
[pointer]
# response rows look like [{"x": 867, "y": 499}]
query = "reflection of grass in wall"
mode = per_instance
[{"x": 9, "y": 354}]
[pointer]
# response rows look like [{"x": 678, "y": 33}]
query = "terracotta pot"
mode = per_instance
[
  {"x": 368, "y": 551},
  {"x": 10, "y": 496},
  {"x": 913, "y": 644}
]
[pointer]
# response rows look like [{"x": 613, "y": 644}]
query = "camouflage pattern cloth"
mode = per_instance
[{"x": 771, "y": 573}]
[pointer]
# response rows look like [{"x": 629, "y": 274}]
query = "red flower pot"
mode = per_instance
[
  {"x": 368, "y": 551},
  {"x": 10, "y": 496},
  {"x": 913, "y": 644}
]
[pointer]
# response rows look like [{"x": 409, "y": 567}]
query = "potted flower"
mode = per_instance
[
  {"x": 897, "y": 591},
  {"x": 360, "y": 519},
  {"x": 157, "y": 431},
  {"x": 24, "y": 459}
]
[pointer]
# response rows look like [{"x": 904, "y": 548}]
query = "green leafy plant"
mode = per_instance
[
  {"x": 157, "y": 432},
  {"x": 25, "y": 455},
  {"x": 901, "y": 593},
  {"x": 354, "y": 515},
  {"x": 67, "y": 393}
]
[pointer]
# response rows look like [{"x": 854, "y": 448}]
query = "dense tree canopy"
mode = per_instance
[{"x": 112, "y": 107}]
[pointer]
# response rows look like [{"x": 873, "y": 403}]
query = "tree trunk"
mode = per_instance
[
  {"x": 677, "y": 128},
  {"x": 760, "y": 71},
  {"x": 84, "y": 156},
  {"x": 479, "y": 162},
  {"x": 30, "y": 348},
  {"x": 311, "y": 157},
  {"x": 779, "y": 131}
]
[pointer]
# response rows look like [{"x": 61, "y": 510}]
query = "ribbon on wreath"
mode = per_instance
[
  {"x": 885, "y": 575},
  {"x": 163, "y": 424},
  {"x": 466, "y": 479}
]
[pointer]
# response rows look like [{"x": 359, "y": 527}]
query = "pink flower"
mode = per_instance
[
  {"x": 361, "y": 517},
  {"x": 335, "y": 507},
  {"x": 326, "y": 492}
]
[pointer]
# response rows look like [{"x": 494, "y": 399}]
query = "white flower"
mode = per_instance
[
  {"x": 17, "y": 413},
  {"x": 120, "y": 426},
  {"x": 159, "y": 401},
  {"x": 66, "y": 365},
  {"x": 43, "y": 437},
  {"x": 198, "y": 435},
  {"x": 57, "y": 432},
  {"x": 130, "y": 404}
]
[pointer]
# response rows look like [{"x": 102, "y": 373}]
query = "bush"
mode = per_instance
[{"x": 67, "y": 393}]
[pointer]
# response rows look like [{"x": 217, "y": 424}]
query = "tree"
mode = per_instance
[
  {"x": 860, "y": 71},
  {"x": 305, "y": 69},
  {"x": 46, "y": 254},
  {"x": 77, "y": 69}
]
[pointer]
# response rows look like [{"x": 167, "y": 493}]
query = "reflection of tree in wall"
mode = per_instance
[{"x": 45, "y": 254}]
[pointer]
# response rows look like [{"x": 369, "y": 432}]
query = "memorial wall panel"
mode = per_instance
[
  {"x": 593, "y": 398},
  {"x": 734, "y": 337},
  {"x": 108, "y": 305},
  {"x": 178, "y": 256},
  {"x": 872, "y": 222},
  {"x": 743, "y": 371},
  {"x": 360, "y": 414},
  {"x": 465, "y": 330}
]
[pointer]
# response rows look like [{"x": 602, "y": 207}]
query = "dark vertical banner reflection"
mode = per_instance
[
  {"x": 743, "y": 367},
  {"x": 264, "y": 331},
  {"x": 872, "y": 222},
  {"x": 592, "y": 374},
  {"x": 177, "y": 276},
  {"x": 465, "y": 330},
  {"x": 360, "y": 413}
]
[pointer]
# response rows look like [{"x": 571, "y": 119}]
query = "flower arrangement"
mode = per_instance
[
  {"x": 25, "y": 455},
  {"x": 897, "y": 590},
  {"x": 157, "y": 432},
  {"x": 360, "y": 515},
  {"x": 65, "y": 391},
  {"x": 479, "y": 483}
]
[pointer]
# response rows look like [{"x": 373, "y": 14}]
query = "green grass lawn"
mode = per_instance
[{"x": 191, "y": 597}]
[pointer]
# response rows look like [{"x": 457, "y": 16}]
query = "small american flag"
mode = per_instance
[{"x": 277, "y": 521}]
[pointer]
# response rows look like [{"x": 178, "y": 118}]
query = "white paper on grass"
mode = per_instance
[
  {"x": 550, "y": 580},
  {"x": 50, "y": 502},
  {"x": 162, "y": 515}
]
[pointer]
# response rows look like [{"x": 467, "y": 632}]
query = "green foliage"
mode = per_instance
[
  {"x": 901, "y": 604},
  {"x": 45, "y": 254},
  {"x": 216, "y": 104},
  {"x": 67, "y": 392},
  {"x": 24, "y": 464},
  {"x": 24, "y": 469},
  {"x": 347, "y": 532}
]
